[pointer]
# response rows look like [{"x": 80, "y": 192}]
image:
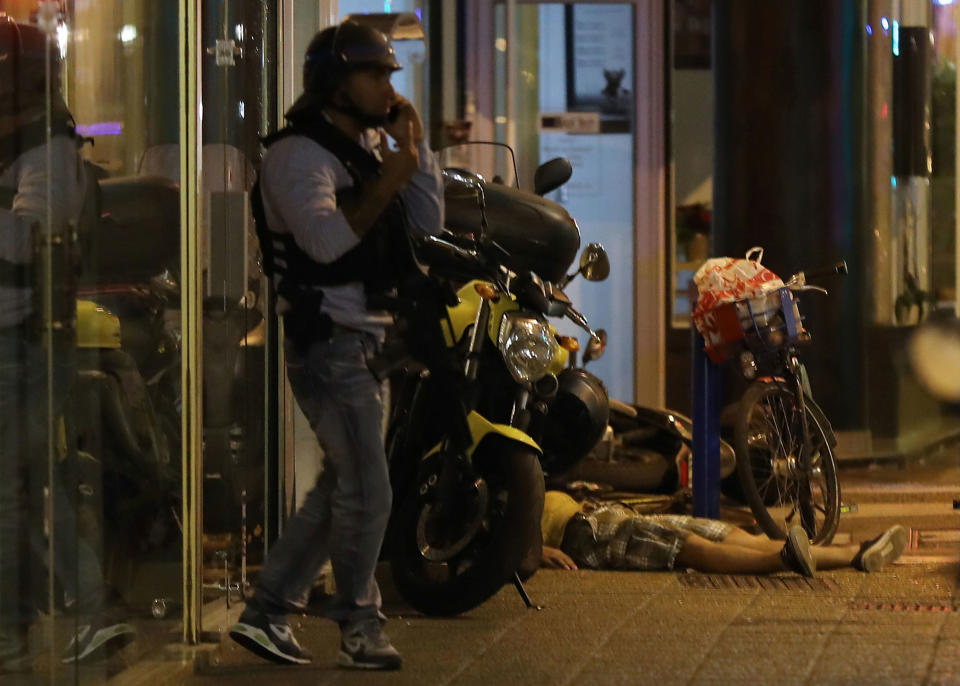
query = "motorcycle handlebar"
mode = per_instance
[
  {"x": 468, "y": 262},
  {"x": 581, "y": 321},
  {"x": 448, "y": 249}
]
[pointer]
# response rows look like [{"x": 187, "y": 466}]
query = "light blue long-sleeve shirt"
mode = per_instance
[{"x": 29, "y": 178}]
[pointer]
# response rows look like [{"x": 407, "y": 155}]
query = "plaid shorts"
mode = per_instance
[{"x": 614, "y": 537}]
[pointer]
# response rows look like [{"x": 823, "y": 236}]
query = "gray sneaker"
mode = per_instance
[
  {"x": 366, "y": 646},
  {"x": 269, "y": 637},
  {"x": 796, "y": 553},
  {"x": 882, "y": 550},
  {"x": 91, "y": 639}
]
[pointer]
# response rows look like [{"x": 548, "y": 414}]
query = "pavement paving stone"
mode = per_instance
[
  {"x": 869, "y": 632},
  {"x": 951, "y": 625},
  {"x": 667, "y": 644},
  {"x": 781, "y": 607},
  {"x": 671, "y": 664},
  {"x": 552, "y": 602},
  {"x": 945, "y": 667},
  {"x": 884, "y": 660},
  {"x": 846, "y": 581},
  {"x": 562, "y": 647},
  {"x": 630, "y": 678},
  {"x": 761, "y": 660},
  {"x": 650, "y": 628},
  {"x": 751, "y": 634},
  {"x": 705, "y": 603},
  {"x": 760, "y": 672},
  {"x": 600, "y": 582},
  {"x": 909, "y": 580}
]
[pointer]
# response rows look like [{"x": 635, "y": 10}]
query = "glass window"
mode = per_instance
[
  {"x": 90, "y": 517},
  {"x": 564, "y": 87}
]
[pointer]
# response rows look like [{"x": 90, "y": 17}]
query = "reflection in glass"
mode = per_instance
[
  {"x": 52, "y": 524},
  {"x": 104, "y": 511}
]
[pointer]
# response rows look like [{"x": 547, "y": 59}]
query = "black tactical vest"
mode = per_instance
[{"x": 381, "y": 259}]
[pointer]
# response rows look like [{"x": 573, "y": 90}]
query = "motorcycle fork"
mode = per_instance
[
  {"x": 519, "y": 416},
  {"x": 455, "y": 451}
]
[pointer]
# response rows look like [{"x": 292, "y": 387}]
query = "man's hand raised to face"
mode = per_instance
[
  {"x": 399, "y": 164},
  {"x": 406, "y": 112}
]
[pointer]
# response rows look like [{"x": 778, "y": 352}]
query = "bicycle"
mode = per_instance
[{"x": 783, "y": 441}]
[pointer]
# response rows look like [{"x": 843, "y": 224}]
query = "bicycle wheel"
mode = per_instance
[{"x": 770, "y": 457}]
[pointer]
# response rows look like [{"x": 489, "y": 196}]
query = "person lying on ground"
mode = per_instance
[{"x": 615, "y": 537}]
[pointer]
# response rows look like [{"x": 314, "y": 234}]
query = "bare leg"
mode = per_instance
[
  {"x": 827, "y": 557},
  {"x": 727, "y": 558}
]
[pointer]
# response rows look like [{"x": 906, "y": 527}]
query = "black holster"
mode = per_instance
[{"x": 304, "y": 325}]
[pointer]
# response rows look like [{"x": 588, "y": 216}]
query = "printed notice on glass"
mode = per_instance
[
  {"x": 585, "y": 156},
  {"x": 601, "y": 59}
]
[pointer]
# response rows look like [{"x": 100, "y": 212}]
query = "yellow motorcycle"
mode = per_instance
[{"x": 484, "y": 371}]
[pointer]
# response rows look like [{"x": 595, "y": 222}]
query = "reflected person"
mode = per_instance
[{"x": 41, "y": 181}]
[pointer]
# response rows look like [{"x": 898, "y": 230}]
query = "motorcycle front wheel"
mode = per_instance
[
  {"x": 783, "y": 471},
  {"x": 445, "y": 563}
]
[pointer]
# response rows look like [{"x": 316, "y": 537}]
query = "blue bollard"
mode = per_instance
[{"x": 706, "y": 431}]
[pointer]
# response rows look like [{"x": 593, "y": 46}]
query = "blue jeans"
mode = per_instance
[
  {"x": 344, "y": 516},
  {"x": 24, "y": 475}
]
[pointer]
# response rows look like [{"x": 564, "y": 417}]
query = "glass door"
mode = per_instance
[
  {"x": 239, "y": 466},
  {"x": 91, "y": 508}
]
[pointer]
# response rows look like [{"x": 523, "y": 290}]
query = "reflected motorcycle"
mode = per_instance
[{"x": 127, "y": 398}]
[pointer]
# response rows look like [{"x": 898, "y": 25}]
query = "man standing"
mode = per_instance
[{"x": 340, "y": 205}]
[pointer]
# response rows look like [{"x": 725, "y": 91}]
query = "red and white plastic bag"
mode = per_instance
[{"x": 724, "y": 286}]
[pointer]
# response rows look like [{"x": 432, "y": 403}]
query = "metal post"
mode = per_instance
[
  {"x": 706, "y": 431},
  {"x": 191, "y": 308}
]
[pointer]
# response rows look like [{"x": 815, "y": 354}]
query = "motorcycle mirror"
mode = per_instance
[
  {"x": 594, "y": 263},
  {"x": 596, "y": 346},
  {"x": 463, "y": 194},
  {"x": 551, "y": 175}
]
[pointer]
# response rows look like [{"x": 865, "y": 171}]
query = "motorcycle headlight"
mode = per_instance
[{"x": 528, "y": 346}]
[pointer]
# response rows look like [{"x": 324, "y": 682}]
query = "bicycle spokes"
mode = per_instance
[{"x": 786, "y": 450}]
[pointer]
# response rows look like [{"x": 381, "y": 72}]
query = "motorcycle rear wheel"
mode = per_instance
[{"x": 498, "y": 538}]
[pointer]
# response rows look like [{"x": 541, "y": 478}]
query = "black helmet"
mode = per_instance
[
  {"x": 337, "y": 50},
  {"x": 23, "y": 60},
  {"x": 577, "y": 418}
]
